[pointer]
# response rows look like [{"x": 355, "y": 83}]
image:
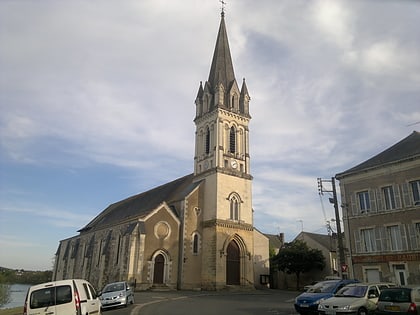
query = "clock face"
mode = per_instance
[{"x": 234, "y": 163}]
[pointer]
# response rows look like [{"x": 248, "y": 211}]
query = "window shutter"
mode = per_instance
[
  {"x": 403, "y": 237},
  {"x": 379, "y": 199},
  {"x": 397, "y": 194},
  {"x": 372, "y": 197},
  {"x": 383, "y": 238},
  {"x": 406, "y": 195},
  {"x": 357, "y": 241},
  {"x": 379, "y": 242},
  {"x": 353, "y": 204}
]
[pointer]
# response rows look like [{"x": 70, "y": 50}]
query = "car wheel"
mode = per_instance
[{"x": 362, "y": 311}]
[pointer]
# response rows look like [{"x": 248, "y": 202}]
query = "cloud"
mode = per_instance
[{"x": 106, "y": 93}]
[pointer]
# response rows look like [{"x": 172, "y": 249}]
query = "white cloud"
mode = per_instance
[{"x": 86, "y": 85}]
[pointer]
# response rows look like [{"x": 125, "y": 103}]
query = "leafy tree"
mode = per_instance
[
  {"x": 297, "y": 258},
  {"x": 4, "y": 291}
]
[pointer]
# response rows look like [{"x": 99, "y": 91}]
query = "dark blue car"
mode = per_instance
[{"x": 307, "y": 302}]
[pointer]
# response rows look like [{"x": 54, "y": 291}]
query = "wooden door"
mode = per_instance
[
  {"x": 159, "y": 269},
  {"x": 233, "y": 261}
]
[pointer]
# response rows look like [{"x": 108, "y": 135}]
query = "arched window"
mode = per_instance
[
  {"x": 207, "y": 142},
  {"x": 206, "y": 104},
  {"x": 232, "y": 140},
  {"x": 234, "y": 208},
  {"x": 195, "y": 244}
]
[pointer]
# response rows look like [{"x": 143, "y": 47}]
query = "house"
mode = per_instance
[
  {"x": 327, "y": 244},
  {"x": 381, "y": 214},
  {"x": 195, "y": 232}
]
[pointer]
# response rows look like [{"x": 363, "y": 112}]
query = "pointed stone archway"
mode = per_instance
[
  {"x": 159, "y": 272},
  {"x": 233, "y": 264},
  {"x": 159, "y": 269},
  {"x": 236, "y": 261}
]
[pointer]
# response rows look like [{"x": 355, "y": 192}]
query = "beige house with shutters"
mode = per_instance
[
  {"x": 196, "y": 232},
  {"x": 381, "y": 214}
]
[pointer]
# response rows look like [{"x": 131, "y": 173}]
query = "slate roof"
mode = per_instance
[
  {"x": 406, "y": 149},
  {"x": 142, "y": 204},
  {"x": 221, "y": 70},
  {"x": 274, "y": 241},
  {"x": 321, "y": 239}
]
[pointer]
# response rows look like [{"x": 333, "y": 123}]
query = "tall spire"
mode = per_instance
[{"x": 221, "y": 70}]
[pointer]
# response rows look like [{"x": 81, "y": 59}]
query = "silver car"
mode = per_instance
[
  {"x": 399, "y": 301},
  {"x": 116, "y": 294},
  {"x": 356, "y": 298}
]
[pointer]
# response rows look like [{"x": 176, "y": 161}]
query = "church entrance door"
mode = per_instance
[
  {"x": 159, "y": 268},
  {"x": 233, "y": 264}
]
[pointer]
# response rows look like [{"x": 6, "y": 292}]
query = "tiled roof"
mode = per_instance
[
  {"x": 406, "y": 149},
  {"x": 142, "y": 204}
]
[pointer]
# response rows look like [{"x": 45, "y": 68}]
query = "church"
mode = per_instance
[{"x": 196, "y": 232}]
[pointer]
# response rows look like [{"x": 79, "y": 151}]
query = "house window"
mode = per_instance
[
  {"x": 234, "y": 208},
  {"x": 388, "y": 193},
  {"x": 207, "y": 140},
  {"x": 394, "y": 237},
  {"x": 364, "y": 202},
  {"x": 368, "y": 240},
  {"x": 232, "y": 140},
  {"x": 415, "y": 187}
]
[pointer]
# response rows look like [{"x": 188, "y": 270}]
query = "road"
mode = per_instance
[{"x": 261, "y": 302}]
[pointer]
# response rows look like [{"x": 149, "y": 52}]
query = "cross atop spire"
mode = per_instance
[{"x": 223, "y": 4}]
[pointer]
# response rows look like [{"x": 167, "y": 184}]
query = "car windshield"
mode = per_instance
[
  {"x": 114, "y": 287},
  {"x": 353, "y": 291},
  {"x": 323, "y": 287}
]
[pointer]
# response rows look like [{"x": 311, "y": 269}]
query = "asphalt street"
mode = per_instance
[{"x": 273, "y": 302}]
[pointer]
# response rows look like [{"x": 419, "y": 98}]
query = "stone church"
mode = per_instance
[{"x": 196, "y": 232}]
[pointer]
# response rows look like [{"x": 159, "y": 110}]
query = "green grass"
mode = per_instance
[{"x": 12, "y": 311}]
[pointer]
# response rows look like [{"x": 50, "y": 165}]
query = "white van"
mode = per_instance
[{"x": 64, "y": 297}]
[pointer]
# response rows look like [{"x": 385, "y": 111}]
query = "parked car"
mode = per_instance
[
  {"x": 399, "y": 301},
  {"x": 355, "y": 298},
  {"x": 116, "y": 294},
  {"x": 307, "y": 302},
  {"x": 309, "y": 286},
  {"x": 74, "y": 296}
]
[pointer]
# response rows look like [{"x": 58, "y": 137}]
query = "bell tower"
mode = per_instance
[
  {"x": 222, "y": 164},
  {"x": 222, "y": 117}
]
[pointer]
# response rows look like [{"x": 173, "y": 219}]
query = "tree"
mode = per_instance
[
  {"x": 4, "y": 291},
  {"x": 296, "y": 258}
]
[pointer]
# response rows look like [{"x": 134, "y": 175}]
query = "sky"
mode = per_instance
[{"x": 97, "y": 104}]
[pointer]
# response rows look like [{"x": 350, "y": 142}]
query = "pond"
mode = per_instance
[{"x": 17, "y": 295}]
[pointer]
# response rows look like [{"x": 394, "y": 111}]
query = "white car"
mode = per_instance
[
  {"x": 356, "y": 298},
  {"x": 73, "y": 296},
  {"x": 116, "y": 294}
]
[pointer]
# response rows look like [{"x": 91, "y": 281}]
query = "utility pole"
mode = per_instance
[{"x": 334, "y": 201}]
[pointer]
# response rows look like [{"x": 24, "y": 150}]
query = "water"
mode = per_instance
[{"x": 17, "y": 295}]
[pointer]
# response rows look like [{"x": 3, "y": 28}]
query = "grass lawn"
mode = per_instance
[{"x": 12, "y": 311}]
